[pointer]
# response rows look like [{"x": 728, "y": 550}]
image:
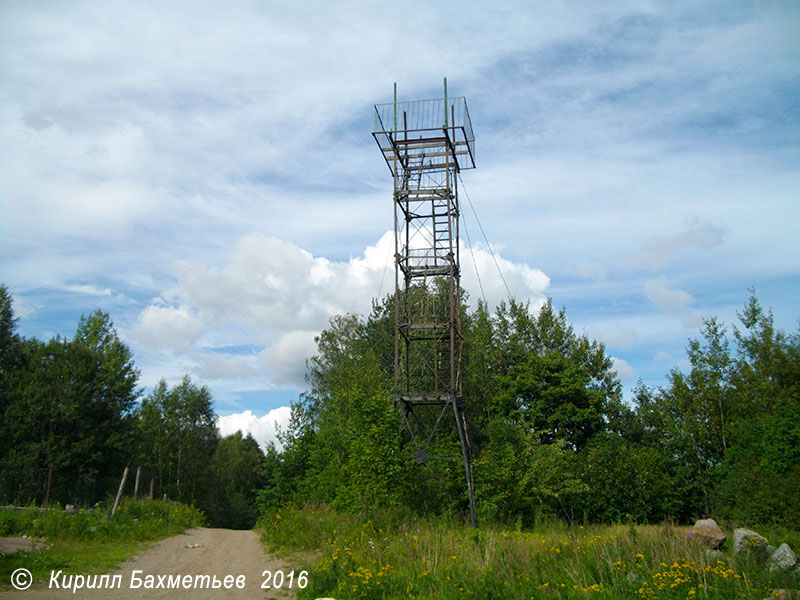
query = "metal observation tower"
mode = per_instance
[{"x": 426, "y": 143}]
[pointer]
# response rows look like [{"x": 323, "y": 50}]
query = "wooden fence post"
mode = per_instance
[
  {"x": 47, "y": 494},
  {"x": 136, "y": 485},
  {"x": 121, "y": 488}
]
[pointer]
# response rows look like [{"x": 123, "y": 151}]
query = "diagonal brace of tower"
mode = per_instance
[{"x": 426, "y": 143}]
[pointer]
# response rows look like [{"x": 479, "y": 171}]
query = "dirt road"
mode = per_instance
[{"x": 220, "y": 552}]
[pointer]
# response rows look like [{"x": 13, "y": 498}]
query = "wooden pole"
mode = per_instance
[
  {"x": 152, "y": 484},
  {"x": 47, "y": 494},
  {"x": 119, "y": 492},
  {"x": 136, "y": 485}
]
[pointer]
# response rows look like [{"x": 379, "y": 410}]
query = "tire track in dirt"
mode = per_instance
[{"x": 199, "y": 551}]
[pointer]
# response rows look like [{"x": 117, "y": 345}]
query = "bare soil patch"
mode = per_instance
[
  {"x": 9, "y": 545},
  {"x": 200, "y": 551}
]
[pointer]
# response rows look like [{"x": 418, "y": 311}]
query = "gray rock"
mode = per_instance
[
  {"x": 782, "y": 559},
  {"x": 708, "y": 532},
  {"x": 746, "y": 539}
]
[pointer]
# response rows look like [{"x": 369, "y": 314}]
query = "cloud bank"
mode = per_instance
[{"x": 256, "y": 315}]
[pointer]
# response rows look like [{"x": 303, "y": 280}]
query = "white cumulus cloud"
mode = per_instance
[
  {"x": 286, "y": 358},
  {"x": 172, "y": 327},
  {"x": 625, "y": 371},
  {"x": 274, "y": 297},
  {"x": 481, "y": 271},
  {"x": 263, "y": 429}
]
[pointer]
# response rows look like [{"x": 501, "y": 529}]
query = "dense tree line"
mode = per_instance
[
  {"x": 550, "y": 432},
  {"x": 729, "y": 430},
  {"x": 551, "y": 435},
  {"x": 72, "y": 417}
]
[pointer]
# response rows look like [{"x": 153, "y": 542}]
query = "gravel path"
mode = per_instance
[{"x": 200, "y": 551}]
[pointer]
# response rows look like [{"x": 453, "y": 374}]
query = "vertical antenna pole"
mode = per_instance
[
  {"x": 396, "y": 262},
  {"x": 445, "y": 102}
]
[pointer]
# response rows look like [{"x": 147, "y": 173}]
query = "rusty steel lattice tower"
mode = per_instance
[{"x": 426, "y": 143}]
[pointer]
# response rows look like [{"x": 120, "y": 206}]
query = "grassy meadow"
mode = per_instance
[
  {"x": 87, "y": 541},
  {"x": 389, "y": 557}
]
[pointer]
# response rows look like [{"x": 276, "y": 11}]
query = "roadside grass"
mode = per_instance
[
  {"x": 88, "y": 542},
  {"x": 389, "y": 557}
]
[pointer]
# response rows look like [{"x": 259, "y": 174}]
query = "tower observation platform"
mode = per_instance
[{"x": 436, "y": 132}]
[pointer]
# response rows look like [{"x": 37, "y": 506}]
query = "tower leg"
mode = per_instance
[{"x": 461, "y": 425}]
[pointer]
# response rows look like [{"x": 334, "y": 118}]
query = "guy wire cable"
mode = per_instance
[
  {"x": 488, "y": 245},
  {"x": 474, "y": 262}
]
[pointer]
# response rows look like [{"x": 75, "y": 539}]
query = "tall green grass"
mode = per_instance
[
  {"x": 87, "y": 541},
  {"x": 357, "y": 558}
]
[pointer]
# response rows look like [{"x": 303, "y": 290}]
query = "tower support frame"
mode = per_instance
[{"x": 426, "y": 146}]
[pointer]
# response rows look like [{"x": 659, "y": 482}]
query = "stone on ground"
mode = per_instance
[
  {"x": 746, "y": 539},
  {"x": 783, "y": 558},
  {"x": 709, "y": 533}
]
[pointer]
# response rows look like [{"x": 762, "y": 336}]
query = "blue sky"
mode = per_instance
[{"x": 205, "y": 171}]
